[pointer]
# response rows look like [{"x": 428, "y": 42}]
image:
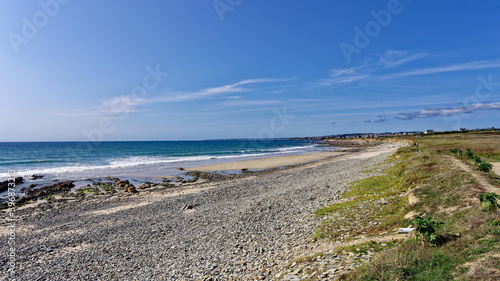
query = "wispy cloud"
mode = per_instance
[
  {"x": 384, "y": 68},
  {"x": 447, "y": 111},
  {"x": 342, "y": 76},
  {"x": 393, "y": 58},
  {"x": 236, "y": 103},
  {"x": 474, "y": 65},
  {"x": 375, "y": 120},
  {"x": 129, "y": 103},
  {"x": 380, "y": 118}
]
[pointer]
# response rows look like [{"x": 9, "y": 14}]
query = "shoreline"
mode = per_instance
[
  {"x": 179, "y": 177},
  {"x": 241, "y": 227},
  {"x": 141, "y": 159},
  {"x": 268, "y": 162}
]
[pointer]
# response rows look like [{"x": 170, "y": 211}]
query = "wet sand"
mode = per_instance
[{"x": 269, "y": 162}]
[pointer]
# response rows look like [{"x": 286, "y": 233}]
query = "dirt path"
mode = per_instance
[
  {"x": 496, "y": 168},
  {"x": 475, "y": 174}
]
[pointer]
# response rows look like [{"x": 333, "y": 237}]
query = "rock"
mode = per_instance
[
  {"x": 36, "y": 176},
  {"x": 4, "y": 186},
  {"x": 189, "y": 206},
  {"x": 57, "y": 188},
  {"x": 30, "y": 187},
  {"x": 235, "y": 229},
  {"x": 167, "y": 183},
  {"x": 130, "y": 188},
  {"x": 144, "y": 186},
  {"x": 121, "y": 184}
]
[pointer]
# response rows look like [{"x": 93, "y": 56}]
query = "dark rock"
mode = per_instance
[
  {"x": 189, "y": 206},
  {"x": 206, "y": 176},
  {"x": 121, "y": 184},
  {"x": 144, "y": 186},
  {"x": 57, "y": 188},
  {"x": 131, "y": 188},
  {"x": 30, "y": 187},
  {"x": 38, "y": 176},
  {"x": 4, "y": 186},
  {"x": 167, "y": 183}
]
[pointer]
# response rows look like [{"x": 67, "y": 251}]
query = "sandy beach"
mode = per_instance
[
  {"x": 238, "y": 229},
  {"x": 287, "y": 160},
  {"x": 269, "y": 162}
]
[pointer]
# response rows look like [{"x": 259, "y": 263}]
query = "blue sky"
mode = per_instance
[{"x": 170, "y": 70}]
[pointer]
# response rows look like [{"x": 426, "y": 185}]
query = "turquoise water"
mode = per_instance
[{"x": 79, "y": 160}]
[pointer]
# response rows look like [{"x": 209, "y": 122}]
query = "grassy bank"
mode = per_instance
[{"x": 433, "y": 181}]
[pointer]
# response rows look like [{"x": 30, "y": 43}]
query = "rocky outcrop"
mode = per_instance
[
  {"x": 35, "y": 177},
  {"x": 125, "y": 185},
  {"x": 57, "y": 188},
  {"x": 27, "y": 190},
  {"x": 4, "y": 186}
]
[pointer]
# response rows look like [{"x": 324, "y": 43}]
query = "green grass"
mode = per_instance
[
  {"x": 371, "y": 246},
  {"x": 383, "y": 195}
]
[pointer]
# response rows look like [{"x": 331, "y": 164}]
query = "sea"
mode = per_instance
[{"x": 78, "y": 161}]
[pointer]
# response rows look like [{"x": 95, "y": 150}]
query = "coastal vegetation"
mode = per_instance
[{"x": 434, "y": 188}]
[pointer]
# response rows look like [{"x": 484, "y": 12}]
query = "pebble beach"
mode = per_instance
[{"x": 248, "y": 228}]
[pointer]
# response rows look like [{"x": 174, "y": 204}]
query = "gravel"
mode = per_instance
[{"x": 237, "y": 230}]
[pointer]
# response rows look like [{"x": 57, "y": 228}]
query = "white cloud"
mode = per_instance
[
  {"x": 380, "y": 118},
  {"x": 390, "y": 60},
  {"x": 342, "y": 76},
  {"x": 474, "y": 65},
  {"x": 447, "y": 111},
  {"x": 129, "y": 103},
  {"x": 235, "y": 103},
  {"x": 394, "y": 58}
]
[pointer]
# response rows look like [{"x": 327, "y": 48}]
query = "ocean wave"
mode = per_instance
[
  {"x": 127, "y": 162},
  {"x": 28, "y": 162}
]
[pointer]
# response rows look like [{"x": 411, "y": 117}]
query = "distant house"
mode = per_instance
[
  {"x": 462, "y": 130},
  {"x": 429, "y": 131}
]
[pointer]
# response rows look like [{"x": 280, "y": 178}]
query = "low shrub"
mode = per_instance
[
  {"x": 484, "y": 167},
  {"x": 427, "y": 228},
  {"x": 489, "y": 200}
]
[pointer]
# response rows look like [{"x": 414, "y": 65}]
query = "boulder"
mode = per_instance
[
  {"x": 144, "y": 186},
  {"x": 131, "y": 188}
]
